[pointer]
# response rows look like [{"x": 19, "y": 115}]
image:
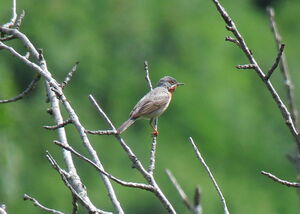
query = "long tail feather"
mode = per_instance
[{"x": 125, "y": 125}]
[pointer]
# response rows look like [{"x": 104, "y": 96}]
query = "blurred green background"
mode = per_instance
[{"x": 228, "y": 112}]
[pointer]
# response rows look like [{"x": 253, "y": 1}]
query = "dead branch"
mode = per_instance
[
  {"x": 136, "y": 162},
  {"x": 39, "y": 205},
  {"x": 275, "y": 65},
  {"x": 69, "y": 76},
  {"x": 30, "y": 87},
  {"x": 63, "y": 124},
  {"x": 278, "y": 180},
  {"x": 117, "y": 180},
  {"x": 154, "y": 138},
  {"x": 284, "y": 68},
  {"x": 52, "y": 85},
  {"x": 248, "y": 53},
  {"x": 180, "y": 191},
  {"x": 202, "y": 161}
]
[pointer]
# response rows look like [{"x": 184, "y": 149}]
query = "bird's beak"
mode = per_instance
[{"x": 179, "y": 84}]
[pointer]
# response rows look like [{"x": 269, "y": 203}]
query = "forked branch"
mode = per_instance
[
  {"x": 248, "y": 53},
  {"x": 284, "y": 68}
]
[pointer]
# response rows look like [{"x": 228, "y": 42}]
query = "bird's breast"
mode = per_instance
[{"x": 162, "y": 109}]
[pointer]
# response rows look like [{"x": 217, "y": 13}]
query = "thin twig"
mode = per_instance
[
  {"x": 154, "y": 138},
  {"x": 30, "y": 87},
  {"x": 275, "y": 65},
  {"x": 119, "y": 181},
  {"x": 233, "y": 40},
  {"x": 153, "y": 149},
  {"x": 14, "y": 15},
  {"x": 202, "y": 161},
  {"x": 63, "y": 124},
  {"x": 69, "y": 75},
  {"x": 102, "y": 132},
  {"x": 6, "y": 38},
  {"x": 284, "y": 68},
  {"x": 26, "y": 61},
  {"x": 146, "y": 68},
  {"x": 278, "y": 180},
  {"x": 38, "y": 204},
  {"x": 19, "y": 20},
  {"x": 180, "y": 191},
  {"x": 280, "y": 104}
]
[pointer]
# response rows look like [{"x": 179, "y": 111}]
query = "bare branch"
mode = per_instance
[
  {"x": 277, "y": 60},
  {"x": 247, "y": 66},
  {"x": 63, "y": 124},
  {"x": 154, "y": 138},
  {"x": 88, "y": 146},
  {"x": 2, "y": 209},
  {"x": 153, "y": 150},
  {"x": 41, "y": 68},
  {"x": 284, "y": 68},
  {"x": 66, "y": 177},
  {"x": 23, "y": 38},
  {"x": 136, "y": 162},
  {"x": 119, "y": 181},
  {"x": 69, "y": 76},
  {"x": 19, "y": 20},
  {"x": 180, "y": 191},
  {"x": 202, "y": 161},
  {"x": 38, "y": 204},
  {"x": 16, "y": 25},
  {"x": 102, "y": 132},
  {"x": 70, "y": 178},
  {"x": 146, "y": 68},
  {"x": 30, "y": 87},
  {"x": 281, "y": 106},
  {"x": 14, "y": 15},
  {"x": 278, "y": 180},
  {"x": 23, "y": 58}
]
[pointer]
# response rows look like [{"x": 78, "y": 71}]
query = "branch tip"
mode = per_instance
[
  {"x": 278, "y": 180},
  {"x": 276, "y": 63}
]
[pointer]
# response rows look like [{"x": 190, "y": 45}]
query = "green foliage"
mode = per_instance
[{"x": 229, "y": 113}]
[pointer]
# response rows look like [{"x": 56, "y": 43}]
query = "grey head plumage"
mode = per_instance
[{"x": 168, "y": 82}]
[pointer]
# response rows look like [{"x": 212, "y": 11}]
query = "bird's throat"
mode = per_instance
[{"x": 172, "y": 89}]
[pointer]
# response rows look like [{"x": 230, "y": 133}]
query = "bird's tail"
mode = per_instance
[{"x": 125, "y": 125}]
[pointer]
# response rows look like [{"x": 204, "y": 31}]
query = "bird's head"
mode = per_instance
[{"x": 169, "y": 82}]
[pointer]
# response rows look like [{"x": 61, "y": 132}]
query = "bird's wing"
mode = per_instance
[{"x": 154, "y": 100}]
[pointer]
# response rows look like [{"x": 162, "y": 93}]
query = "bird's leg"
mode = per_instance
[{"x": 155, "y": 132}]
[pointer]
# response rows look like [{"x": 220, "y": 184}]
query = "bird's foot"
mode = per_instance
[{"x": 154, "y": 133}]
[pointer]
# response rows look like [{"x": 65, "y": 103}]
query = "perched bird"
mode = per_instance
[{"x": 153, "y": 104}]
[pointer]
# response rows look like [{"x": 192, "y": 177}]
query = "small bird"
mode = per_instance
[{"x": 153, "y": 104}]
